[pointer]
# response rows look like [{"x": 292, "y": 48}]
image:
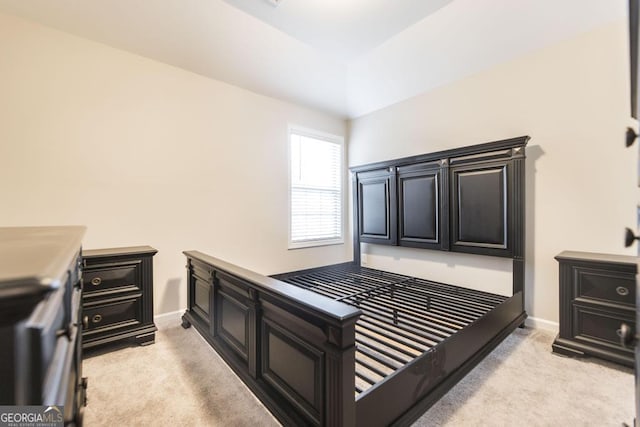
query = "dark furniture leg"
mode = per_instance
[{"x": 185, "y": 323}]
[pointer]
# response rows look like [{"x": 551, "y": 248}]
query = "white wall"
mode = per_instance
[
  {"x": 143, "y": 153},
  {"x": 572, "y": 99}
]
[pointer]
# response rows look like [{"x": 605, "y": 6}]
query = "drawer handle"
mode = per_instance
[
  {"x": 96, "y": 281},
  {"x": 627, "y": 338},
  {"x": 96, "y": 319},
  {"x": 622, "y": 291}
]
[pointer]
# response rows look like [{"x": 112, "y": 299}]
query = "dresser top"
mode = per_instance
[
  {"x": 109, "y": 252},
  {"x": 35, "y": 259},
  {"x": 596, "y": 257}
]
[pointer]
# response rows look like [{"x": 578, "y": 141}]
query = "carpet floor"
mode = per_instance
[{"x": 181, "y": 381}]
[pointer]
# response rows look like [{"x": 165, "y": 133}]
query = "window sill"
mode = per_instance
[{"x": 313, "y": 244}]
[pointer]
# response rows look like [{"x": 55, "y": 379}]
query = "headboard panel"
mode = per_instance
[{"x": 468, "y": 199}]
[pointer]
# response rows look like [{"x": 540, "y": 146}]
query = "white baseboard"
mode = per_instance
[
  {"x": 537, "y": 323},
  {"x": 168, "y": 320}
]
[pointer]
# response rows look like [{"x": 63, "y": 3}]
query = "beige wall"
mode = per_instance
[
  {"x": 572, "y": 99},
  {"x": 144, "y": 153}
]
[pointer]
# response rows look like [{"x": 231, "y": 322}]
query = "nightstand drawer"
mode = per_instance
[
  {"x": 600, "y": 326},
  {"x": 605, "y": 285},
  {"x": 117, "y": 313},
  {"x": 112, "y": 277}
]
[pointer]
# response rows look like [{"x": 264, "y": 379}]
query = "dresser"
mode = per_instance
[
  {"x": 40, "y": 312},
  {"x": 597, "y": 296},
  {"x": 118, "y": 296}
]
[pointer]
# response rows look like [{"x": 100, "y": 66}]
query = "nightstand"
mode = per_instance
[
  {"x": 117, "y": 296},
  {"x": 597, "y": 295}
]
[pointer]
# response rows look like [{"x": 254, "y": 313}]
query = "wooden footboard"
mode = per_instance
[{"x": 293, "y": 348}]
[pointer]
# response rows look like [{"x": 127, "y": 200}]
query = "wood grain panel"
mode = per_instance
[
  {"x": 233, "y": 322},
  {"x": 377, "y": 207},
  {"x": 420, "y": 207},
  {"x": 482, "y": 207},
  {"x": 294, "y": 368}
]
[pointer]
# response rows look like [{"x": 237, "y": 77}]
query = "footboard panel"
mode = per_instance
[{"x": 293, "y": 348}]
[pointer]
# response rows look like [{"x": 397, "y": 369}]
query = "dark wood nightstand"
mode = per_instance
[
  {"x": 117, "y": 296},
  {"x": 597, "y": 295}
]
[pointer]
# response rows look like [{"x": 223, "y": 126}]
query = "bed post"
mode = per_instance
[
  {"x": 519, "y": 225},
  {"x": 340, "y": 409},
  {"x": 356, "y": 222}
]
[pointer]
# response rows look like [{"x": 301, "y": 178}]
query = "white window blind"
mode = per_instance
[{"x": 316, "y": 189}]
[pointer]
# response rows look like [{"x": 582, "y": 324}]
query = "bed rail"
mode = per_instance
[{"x": 293, "y": 348}]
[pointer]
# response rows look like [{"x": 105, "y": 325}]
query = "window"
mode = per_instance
[{"x": 315, "y": 193}]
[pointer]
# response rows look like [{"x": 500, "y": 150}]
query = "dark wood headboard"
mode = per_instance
[{"x": 469, "y": 199}]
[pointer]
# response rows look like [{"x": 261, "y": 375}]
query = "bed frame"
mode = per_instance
[{"x": 345, "y": 345}]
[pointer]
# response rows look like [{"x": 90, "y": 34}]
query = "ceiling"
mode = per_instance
[
  {"x": 341, "y": 28},
  {"x": 346, "y": 57}
]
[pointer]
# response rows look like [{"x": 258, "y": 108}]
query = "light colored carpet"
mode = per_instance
[
  {"x": 181, "y": 381},
  {"x": 522, "y": 383},
  {"x": 178, "y": 381}
]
